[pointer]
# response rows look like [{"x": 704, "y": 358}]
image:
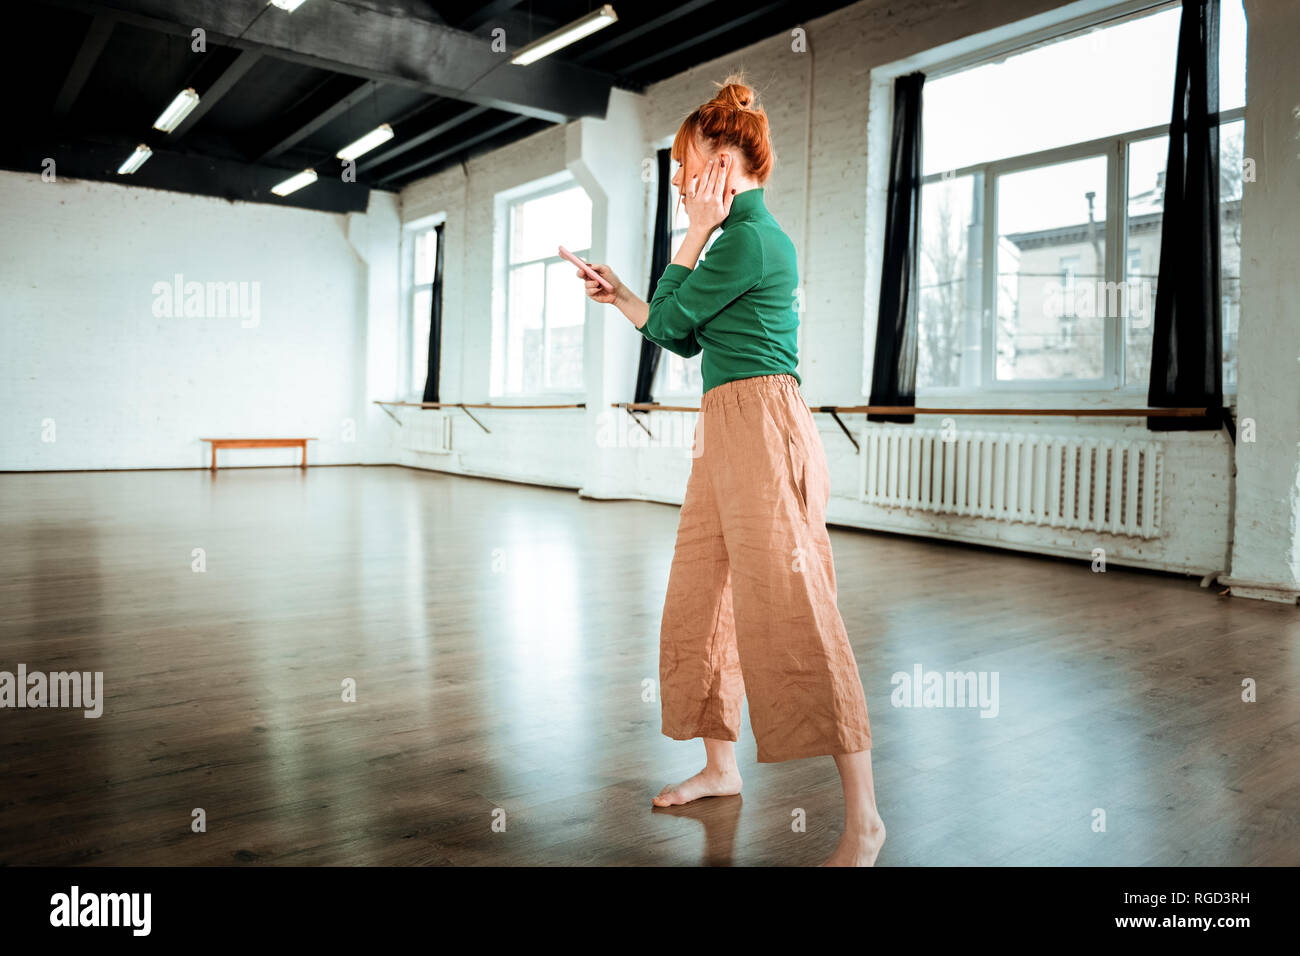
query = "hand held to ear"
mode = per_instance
[{"x": 709, "y": 200}]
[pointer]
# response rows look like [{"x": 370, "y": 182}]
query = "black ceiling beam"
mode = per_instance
[
  {"x": 486, "y": 12},
  {"x": 219, "y": 87},
  {"x": 462, "y": 153},
  {"x": 91, "y": 46},
  {"x": 304, "y": 129},
  {"x": 98, "y": 160},
  {"x": 696, "y": 39},
  {"x": 386, "y": 45},
  {"x": 628, "y": 36},
  {"x": 461, "y": 145},
  {"x": 432, "y": 11},
  {"x": 410, "y": 142}
]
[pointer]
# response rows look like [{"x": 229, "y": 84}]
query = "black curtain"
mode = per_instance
[
  {"x": 435, "y": 325},
  {"x": 661, "y": 255},
  {"x": 893, "y": 377},
  {"x": 1187, "y": 348}
]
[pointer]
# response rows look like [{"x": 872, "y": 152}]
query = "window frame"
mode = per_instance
[
  {"x": 509, "y": 203},
  {"x": 959, "y": 55},
  {"x": 1114, "y": 355}
]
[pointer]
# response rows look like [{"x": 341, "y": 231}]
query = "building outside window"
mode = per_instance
[{"x": 1069, "y": 206}]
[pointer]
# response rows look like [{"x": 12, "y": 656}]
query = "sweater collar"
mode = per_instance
[{"x": 746, "y": 205}]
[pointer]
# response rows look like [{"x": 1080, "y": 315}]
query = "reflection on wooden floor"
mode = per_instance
[{"x": 499, "y": 635}]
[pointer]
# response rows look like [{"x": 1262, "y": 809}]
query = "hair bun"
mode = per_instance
[
  {"x": 734, "y": 119},
  {"x": 735, "y": 94}
]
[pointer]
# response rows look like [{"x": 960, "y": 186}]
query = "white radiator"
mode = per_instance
[
  {"x": 427, "y": 431},
  {"x": 1066, "y": 482}
]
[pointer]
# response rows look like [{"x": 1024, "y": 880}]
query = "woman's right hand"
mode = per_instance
[{"x": 595, "y": 291}]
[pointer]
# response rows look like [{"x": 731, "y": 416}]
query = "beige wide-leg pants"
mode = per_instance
[{"x": 751, "y": 606}]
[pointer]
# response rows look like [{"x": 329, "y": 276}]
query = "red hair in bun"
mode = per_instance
[{"x": 732, "y": 118}]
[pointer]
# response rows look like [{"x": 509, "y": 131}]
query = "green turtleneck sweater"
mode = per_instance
[{"x": 737, "y": 305}]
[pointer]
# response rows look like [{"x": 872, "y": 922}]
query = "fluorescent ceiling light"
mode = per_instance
[
  {"x": 179, "y": 108},
  {"x": 380, "y": 134},
  {"x": 575, "y": 31},
  {"x": 288, "y": 6},
  {"x": 294, "y": 182},
  {"x": 135, "y": 160}
]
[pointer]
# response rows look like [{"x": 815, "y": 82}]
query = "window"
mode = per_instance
[
  {"x": 679, "y": 376},
  {"x": 1047, "y": 322},
  {"x": 545, "y": 307},
  {"x": 1068, "y": 206},
  {"x": 1134, "y": 266},
  {"x": 424, "y": 256},
  {"x": 1232, "y": 175}
]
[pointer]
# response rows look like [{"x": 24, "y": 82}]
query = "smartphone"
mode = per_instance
[{"x": 591, "y": 273}]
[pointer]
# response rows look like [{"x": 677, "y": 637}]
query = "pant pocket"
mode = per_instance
[{"x": 798, "y": 471}]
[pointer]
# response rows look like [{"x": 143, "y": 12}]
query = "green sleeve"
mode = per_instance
[
  {"x": 686, "y": 299},
  {"x": 686, "y": 346}
]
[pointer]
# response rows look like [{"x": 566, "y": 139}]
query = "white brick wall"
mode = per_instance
[
  {"x": 127, "y": 389},
  {"x": 1266, "y": 539}
]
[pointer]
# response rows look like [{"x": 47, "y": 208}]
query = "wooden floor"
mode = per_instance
[{"x": 499, "y": 635}]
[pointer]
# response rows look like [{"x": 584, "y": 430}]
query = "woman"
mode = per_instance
[{"x": 751, "y": 606}]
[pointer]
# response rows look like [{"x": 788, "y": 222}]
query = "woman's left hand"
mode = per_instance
[{"x": 708, "y": 197}]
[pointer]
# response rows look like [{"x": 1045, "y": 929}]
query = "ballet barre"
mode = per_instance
[
  {"x": 833, "y": 410},
  {"x": 836, "y": 410},
  {"x": 914, "y": 410},
  {"x": 465, "y": 407}
]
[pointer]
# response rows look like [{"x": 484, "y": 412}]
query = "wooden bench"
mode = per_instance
[{"x": 258, "y": 443}]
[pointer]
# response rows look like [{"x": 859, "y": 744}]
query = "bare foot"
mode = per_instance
[
  {"x": 859, "y": 847},
  {"x": 707, "y": 783}
]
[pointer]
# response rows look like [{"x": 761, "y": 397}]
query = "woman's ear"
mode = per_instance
[{"x": 734, "y": 165}]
